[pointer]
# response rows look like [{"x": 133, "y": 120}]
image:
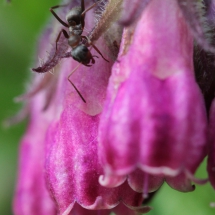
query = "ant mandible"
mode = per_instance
[{"x": 76, "y": 23}]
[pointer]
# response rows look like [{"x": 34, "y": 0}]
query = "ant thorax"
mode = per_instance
[
  {"x": 75, "y": 30},
  {"x": 74, "y": 39}
]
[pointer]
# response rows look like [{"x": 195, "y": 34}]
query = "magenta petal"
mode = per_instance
[
  {"x": 121, "y": 209},
  {"x": 31, "y": 195},
  {"x": 175, "y": 123},
  {"x": 72, "y": 168},
  {"x": 72, "y": 165},
  {"x": 111, "y": 180},
  {"x": 144, "y": 182},
  {"x": 78, "y": 210},
  {"x": 180, "y": 182},
  {"x": 154, "y": 116},
  {"x": 179, "y": 126},
  {"x": 211, "y": 156}
]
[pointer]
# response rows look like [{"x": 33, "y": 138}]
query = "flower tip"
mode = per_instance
[
  {"x": 181, "y": 183},
  {"x": 196, "y": 180},
  {"x": 100, "y": 204},
  {"x": 141, "y": 209},
  {"x": 111, "y": 181},
  {"x": 145, "y": 195}
]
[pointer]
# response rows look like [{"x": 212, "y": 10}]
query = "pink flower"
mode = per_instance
[
  {"x": 144, "y": 121},
  {"x": 72, "y": 168},
  {"x": 31, "y": 196},
  {"x": 154, "y": 117},
  {"x": 64, "y": 143}
]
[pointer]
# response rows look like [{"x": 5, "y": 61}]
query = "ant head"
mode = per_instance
[
  {"x": 82, "y": 54},
  {"x": 74, "y": 16}
]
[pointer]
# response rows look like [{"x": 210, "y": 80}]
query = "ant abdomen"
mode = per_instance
[{"x": 82, "y": 54}]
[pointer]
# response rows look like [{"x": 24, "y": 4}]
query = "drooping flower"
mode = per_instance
[
  {"x": 67, "y": 147},
  {"x": 72, "y": 166},
  {"x": 31, "y": 196},
  {"x": 152, "y": 126},
  {"x": 154, "y": 116}
]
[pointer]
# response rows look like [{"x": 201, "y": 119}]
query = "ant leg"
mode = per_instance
[
  {"x": 58, "y": 37},
  {"x": 73, "y": 71},
  {"x": 92, "y": 59},
  {"x": 78, "y": 91},
  {"x": 74, "y": 85},
  {"x": 98, "y": 52},
  {"x": 90, "y": 43},
  {"x": 84, "y": 12},
  {"x": 89, "y": 8},
  {"x": 56, "y": 16},
  {"x": 82, "y": 16},
  {"x": 88, "y": 65},
  {"x": 82, "y": 5}
]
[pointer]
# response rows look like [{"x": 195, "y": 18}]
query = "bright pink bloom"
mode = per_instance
[
  {"x": 31, "y": 196},
  {"x": 72, "y": 166},
  {"x": 154, "y": 116},
  {"x": 148, "y": 127},
  {"x": 66, "y": 131}
]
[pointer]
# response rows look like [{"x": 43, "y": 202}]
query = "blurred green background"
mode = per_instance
[{"x": 20, "y": 25}]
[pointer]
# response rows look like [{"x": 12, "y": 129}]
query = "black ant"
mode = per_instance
[{"x": 75, "y": 25}]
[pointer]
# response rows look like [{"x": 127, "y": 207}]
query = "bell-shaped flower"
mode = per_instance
[
  {"x": 63, "y": 135},
  {"x": 31, "y": 196},
  {"x": 72, "y": 168},
  {"x": 154, "y": 117}
]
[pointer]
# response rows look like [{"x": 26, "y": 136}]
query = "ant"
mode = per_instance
[{"x": 75, "y": 25}]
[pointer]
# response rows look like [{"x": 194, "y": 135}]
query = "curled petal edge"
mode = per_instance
[
  {"x": 111, "y": 181},
  {"x": 194, "y": 179},
  {"x": 139, "y": 209}
]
